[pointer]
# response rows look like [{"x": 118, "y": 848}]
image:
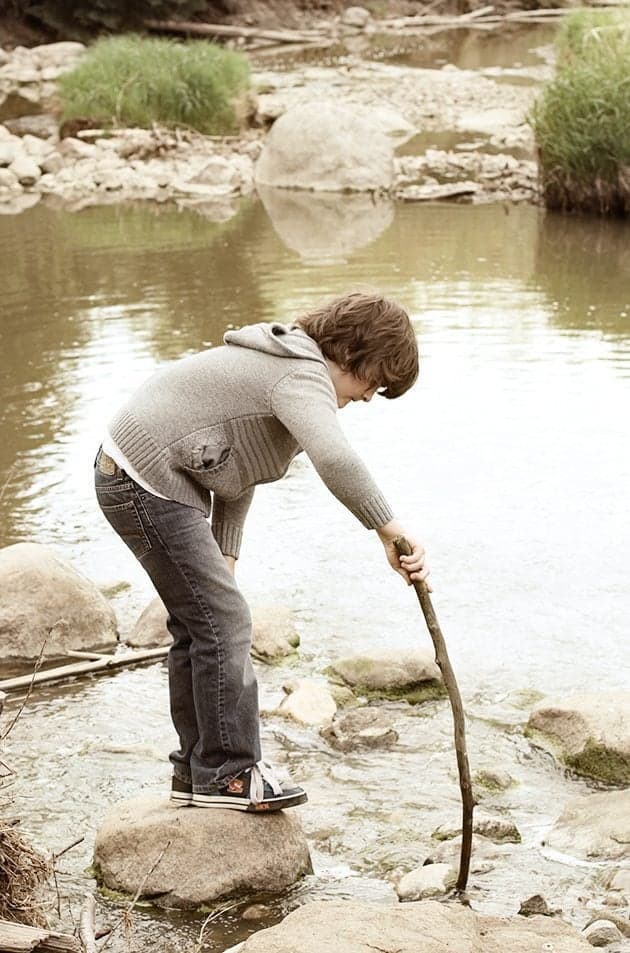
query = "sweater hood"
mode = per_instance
[{"x": 279, "y": 339}]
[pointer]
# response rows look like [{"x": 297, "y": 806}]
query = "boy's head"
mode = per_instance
[{"x": 369, "y": 336}]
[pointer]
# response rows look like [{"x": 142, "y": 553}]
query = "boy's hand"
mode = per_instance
[
  {"x": 412, "y": 568},
  {"x": 231, "y": 562}
]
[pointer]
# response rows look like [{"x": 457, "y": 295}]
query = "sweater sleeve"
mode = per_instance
[
  {"x": 228, "y": 518},
  {"x": 304, "y": 402}
]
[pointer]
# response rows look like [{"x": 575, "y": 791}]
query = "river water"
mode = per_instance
[{"x": 508, "y": 460}]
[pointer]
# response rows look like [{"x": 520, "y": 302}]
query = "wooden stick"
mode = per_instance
[
  {"x": 17, "y": 938},
  {"x": 87, "y": 928},
  {"x": 223, "y": 29},
  {"x": 82, "y": 668},
  {"x": 441, "y": 656},
  {"x": 74, "y": 653}
]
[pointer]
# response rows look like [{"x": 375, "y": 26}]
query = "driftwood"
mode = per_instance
[
  {"x": 87, "y": 927},
  {"x": 442, "y": 659},
  {"x": 223, "y": 29},
  {"x": 16, "y": 938},
  {"x": 100, "y": 664}
]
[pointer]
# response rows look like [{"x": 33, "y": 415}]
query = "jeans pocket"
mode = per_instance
[{"x": 125, "y": 519}]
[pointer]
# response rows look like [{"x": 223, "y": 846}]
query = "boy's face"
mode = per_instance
[{"x": 348, "y": 387}]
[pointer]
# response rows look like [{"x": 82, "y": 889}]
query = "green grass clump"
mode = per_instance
[
  {"x": 582, "y": 120},
  {"x": 137, "y": 81}
]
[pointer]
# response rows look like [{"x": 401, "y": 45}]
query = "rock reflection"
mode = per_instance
[{"x": 325, "y": 227}]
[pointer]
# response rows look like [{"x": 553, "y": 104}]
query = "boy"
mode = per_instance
[{"x": 195, "y": 440}]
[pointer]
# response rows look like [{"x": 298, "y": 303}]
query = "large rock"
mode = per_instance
[
  {"x": 594, "y": 827},
  {"x": 589, "y": 733},
  {"x": 210, "y": 853},
  {"x": 327, "y": 148},
  {"x": 410, "y": 674},
  {"x": 422, "y": 927},
  {"x": 274, "y": 635},
  {"x": 43, "y": 595}
]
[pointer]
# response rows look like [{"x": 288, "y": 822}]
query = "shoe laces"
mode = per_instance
[{"x": 260, "y": 773}]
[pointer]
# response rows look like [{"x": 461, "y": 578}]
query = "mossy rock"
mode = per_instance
[{"x": 410, "y": 675}]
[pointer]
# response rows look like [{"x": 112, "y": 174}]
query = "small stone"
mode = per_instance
[
  {"x": 620, "y": 880},
  {"x": 9, "y": 180},
  {"x": 52, "y": 163},
  {"x": 432, "y": 880},
  {"x": 361, "y": 728},
  {"x": 26, "y": 170},
  {"x": 494, "y": 780},
  {"x": 8, "y": 153},
  {"x": 602, "y": 933},
  {"x": 536, "y": 906},
  {"x": 255, "y": 911},
  {"x": 357, "y": 17},
  {"x": 307, "y": 702}
]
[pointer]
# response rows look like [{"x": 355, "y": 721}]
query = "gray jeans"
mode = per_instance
[{"x": 213, "y": 690}]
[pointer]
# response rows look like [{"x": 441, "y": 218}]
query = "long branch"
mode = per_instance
[{"x": 455, "y": 698}]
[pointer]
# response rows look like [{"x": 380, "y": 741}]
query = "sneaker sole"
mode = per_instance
[
  {"x": 181, "y": 796},
  {"x": 225, "y": 802}
]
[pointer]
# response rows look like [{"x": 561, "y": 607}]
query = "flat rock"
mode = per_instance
[
  {"x": 589, "y": 733},
  {"x": 211, "y": 854},
  {"x": 43, "y": 595},
  {"x": 594, "y": 827},
  {"x": 424, "y": 926},
  {"x": 432, "y": 880},
  {"x": 307, "y": 702},
  {"x": 326, "y": 148},
  {"x": 360, "y": 728},
  {"x": 410, "y": 674}
]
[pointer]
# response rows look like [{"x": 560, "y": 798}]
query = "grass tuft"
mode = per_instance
[
  {"x": 136, "y": 81},
  {"x": 582, "y": 120}
]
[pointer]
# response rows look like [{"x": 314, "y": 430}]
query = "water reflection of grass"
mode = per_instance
[{"x": 584, "y": 264}]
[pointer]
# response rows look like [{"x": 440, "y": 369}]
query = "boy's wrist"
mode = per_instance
[{"x": 390, "y": 531}]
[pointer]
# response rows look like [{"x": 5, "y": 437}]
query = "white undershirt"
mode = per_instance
[{"x": 110, "y": 448}]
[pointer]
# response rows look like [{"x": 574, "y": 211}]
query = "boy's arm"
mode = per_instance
[
  {"x": 304, "y": 402},
  {"x": 228, "y": 518}
]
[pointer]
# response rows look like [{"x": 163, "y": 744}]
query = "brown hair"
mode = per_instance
[{"x": 368, "y": 335}]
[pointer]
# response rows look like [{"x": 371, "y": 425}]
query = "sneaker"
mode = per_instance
[
  {"x": 256, "y": 789},
  {"x": 181, "y": 790}
]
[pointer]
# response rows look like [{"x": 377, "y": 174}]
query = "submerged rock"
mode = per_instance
[
  {"x": 307, "y": 702},
  {"x": 412, "y": 674},
  {"x": 208, "y": 854},
  {"x": 502, "y": 830},
  {"x": 432, "y": 880},
  {"x": 594, "y": 827},
  {"x": 426, "y": 925},
  {"x": 361, "y": 728},
  {"x": 43, "y": 598},
  {"x": 536, "y": 906},
  {"x": 589, "y": 733},
  {"x": 326, "y": 148}
]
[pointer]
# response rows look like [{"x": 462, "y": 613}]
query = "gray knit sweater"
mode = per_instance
[{"x": 206, "y": 429}]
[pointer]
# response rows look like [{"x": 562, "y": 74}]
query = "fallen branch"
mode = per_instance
[
  {"x": 222, "y": 29},
  {"x": 87, "y": 926},
  {"x": 16, "y": 938},
  {"x": 82, "y": 668},
  {"x": 441, "y": 656},
  {"x": 482, "y": 17},
  {"x": 30, "y": 681},
  {"x": 125, "y": 918}
]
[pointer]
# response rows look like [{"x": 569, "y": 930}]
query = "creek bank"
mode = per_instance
[
  {"x": 196, "y": 856},
  {"x": 208, "y": 173}
]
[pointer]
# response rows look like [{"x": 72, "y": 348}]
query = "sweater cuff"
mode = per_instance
[
  {"x": 229, "y": 537},
  {"x": 374, "y": 512}
]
